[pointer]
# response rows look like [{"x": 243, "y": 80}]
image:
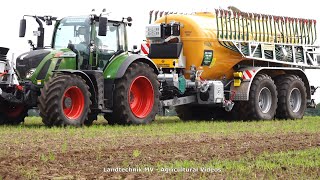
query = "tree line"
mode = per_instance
[{"x": 313, "y": 112}]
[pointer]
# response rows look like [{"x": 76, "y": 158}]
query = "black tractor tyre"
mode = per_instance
[
  {"x": 64, "y": 100},
  {"x": 136, "y": 96},
  {"x": 263, "y": 99},
  {"x": 292, "y": 97},
  {"x": 12, "y": 114}
]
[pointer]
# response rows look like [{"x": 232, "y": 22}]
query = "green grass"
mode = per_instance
[
  {"x": 163, "y": 126},
  {"x": 302, "y": 163}
]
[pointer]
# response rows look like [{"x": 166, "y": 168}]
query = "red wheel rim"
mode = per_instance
[
  {"x": 141, "y": 97},
  {"x": 73, "y": 102}
]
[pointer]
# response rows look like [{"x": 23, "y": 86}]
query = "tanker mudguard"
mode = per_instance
[
  {"x": 132, "y": 58},
  {"x": 241, "y": 93}
]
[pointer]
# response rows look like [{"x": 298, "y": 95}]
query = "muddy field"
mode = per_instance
[{"x": 167, "y": 148}]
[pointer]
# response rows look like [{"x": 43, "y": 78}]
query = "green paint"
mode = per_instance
[
  {"x": 207, "y": 58},
  {"x": 40, "y": 66},
  {"x": 70, "y": 63},
  {"x": 182, "y": 84},
  {"x": 66, "y": 63},
  {"x": 111, "y": 71}
]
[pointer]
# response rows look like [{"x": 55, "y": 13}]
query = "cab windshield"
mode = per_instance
[
  {"x": 114, "y": 40},
  {"x": 81, "y": 35},
  {"x": 72, "y": 30}
]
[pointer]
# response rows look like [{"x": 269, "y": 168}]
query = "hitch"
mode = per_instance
[{"x": 11, "y": 98}]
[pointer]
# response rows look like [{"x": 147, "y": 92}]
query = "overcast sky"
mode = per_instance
[{"x": 12, "y": 11}]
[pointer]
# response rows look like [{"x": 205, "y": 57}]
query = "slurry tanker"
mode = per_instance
[{"x": 232, "y": 64}]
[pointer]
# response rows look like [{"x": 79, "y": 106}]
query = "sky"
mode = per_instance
[{"x": 12, "y": 11}]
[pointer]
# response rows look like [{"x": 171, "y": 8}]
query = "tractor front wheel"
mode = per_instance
[{"x": 65, "y": 100}]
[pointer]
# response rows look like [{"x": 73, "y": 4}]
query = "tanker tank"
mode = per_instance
[
  {"x": 199, "y": 38},
  {"x": 209, "y": 38}
]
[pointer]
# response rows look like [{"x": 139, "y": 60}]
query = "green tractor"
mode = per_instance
[{"x": 87, "y": 71}]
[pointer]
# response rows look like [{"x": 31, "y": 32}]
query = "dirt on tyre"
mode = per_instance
[
  {"x": 65, "y": 100},
  {"x": 11, "y": 114},
  {"x": 263, "y": 99},
  {"x": 292, "y": 97},
  {"x": 136, "y": 96}
]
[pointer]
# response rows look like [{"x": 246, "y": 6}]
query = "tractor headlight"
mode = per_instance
[{"x": 30, "y": 73}]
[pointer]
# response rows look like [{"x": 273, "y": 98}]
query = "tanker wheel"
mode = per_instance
[
  {"x": 292, "y": 97},
  {"x": 263, "y": 99},
  {"x": 136, "y": 96},
  {"x": 12, "y": 114},
  {"x": 65, "y": 100}
]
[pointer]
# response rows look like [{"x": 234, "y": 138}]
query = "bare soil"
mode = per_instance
[{"x": 88, "y": 158}]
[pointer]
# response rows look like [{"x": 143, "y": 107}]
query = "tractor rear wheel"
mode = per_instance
[
  {"x": 136, "y": 98},
  {"x": 263, "y": 99},
  {"x": 292, "y": 97},
  {"x": 65, "y": 100},
  {"x": 12, "y": 114}
]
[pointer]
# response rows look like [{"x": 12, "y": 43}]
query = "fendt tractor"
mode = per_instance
[
  {"x": 232, "y": 64},
  {"x": 87, "y": 71}
]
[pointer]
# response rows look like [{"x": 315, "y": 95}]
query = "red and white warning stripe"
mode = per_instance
[
  {"x": 248, "y": 74},
  {"x": 145, "y": 48}
]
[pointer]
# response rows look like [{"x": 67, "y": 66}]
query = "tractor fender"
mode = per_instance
[
  {"x": 85, "y": 77},
  {"x": 133, "y": 58},
  {"x": 241, "y": 93}
]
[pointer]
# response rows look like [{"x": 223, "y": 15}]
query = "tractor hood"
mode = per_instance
[{"x": 29, "y": 60}]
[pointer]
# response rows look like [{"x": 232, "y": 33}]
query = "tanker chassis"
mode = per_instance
[{"x": 233, "y": 64}]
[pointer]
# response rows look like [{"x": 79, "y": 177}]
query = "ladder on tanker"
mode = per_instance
[{"x": 276, "y": 39}]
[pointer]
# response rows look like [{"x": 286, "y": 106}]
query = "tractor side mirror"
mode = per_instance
[
  {"x": 103, "y": 21},
  {"x": 22, "y": 29}
]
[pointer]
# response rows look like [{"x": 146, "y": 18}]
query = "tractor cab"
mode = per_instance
[{"x": 94, "y": 48}]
